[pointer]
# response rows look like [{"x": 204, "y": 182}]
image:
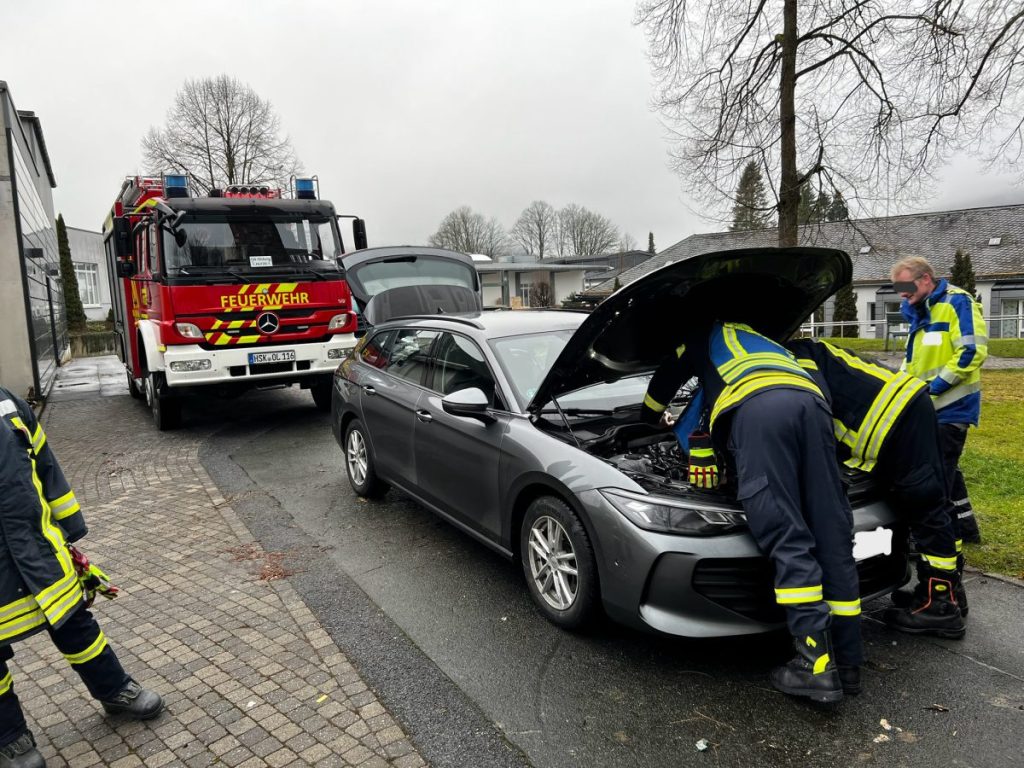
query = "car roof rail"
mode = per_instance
[{"x": 441, "y": 316}]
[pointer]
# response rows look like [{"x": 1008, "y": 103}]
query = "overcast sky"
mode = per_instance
[{"x": 405, "y": 110}]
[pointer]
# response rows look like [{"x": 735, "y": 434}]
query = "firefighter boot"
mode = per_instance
[
  {"x": 850, "y": 678},
  {"x": 934, "y": 610},
  {"x": 904, "y": 598},
  {"x": 22, "y": 753},
  {"x": 135, "y": 701},
  {"x": 812, "y": 672}
]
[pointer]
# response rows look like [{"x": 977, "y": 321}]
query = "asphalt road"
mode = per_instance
[{"x": 445, "y": 632}]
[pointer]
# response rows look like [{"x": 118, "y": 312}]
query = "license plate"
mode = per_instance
[
  {"x": 872, "y": 543},
  {"x": 281, "y": 356}
]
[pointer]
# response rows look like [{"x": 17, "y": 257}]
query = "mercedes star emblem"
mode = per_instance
[{"x": 268, "y": 323}]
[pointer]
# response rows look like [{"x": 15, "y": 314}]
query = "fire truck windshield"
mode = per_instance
[{"x": 212, "y": 243}]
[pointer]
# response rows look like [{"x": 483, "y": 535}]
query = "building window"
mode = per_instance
[
  {"x": 88, "y": 283},
  {"x": 1012, "y": 323}
]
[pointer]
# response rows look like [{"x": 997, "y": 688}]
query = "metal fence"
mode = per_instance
[{"x": 999, "y": 327}]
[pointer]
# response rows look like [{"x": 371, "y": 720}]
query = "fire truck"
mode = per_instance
[{"x": 236, "y": 290}]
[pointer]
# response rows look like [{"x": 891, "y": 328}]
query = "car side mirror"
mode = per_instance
[
  {"x": 125, "y": 269},
  {"x": 470, "y": 403}
]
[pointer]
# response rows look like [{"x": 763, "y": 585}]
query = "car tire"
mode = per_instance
[
  {"x": 558, "y": 563},
  {"x": 166, "y": 410},
  {"x": 359, "y": 463},
  {"x": 322, "y": 396}
]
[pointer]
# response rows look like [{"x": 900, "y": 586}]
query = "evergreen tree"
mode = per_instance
[
  {"x": 616, "y": 285},
  {"x": 650, "y": 243},
  {"x": 751, "y": 208},
  {"x": 837, "y": 211},
  {"x": 822, "y": 204},
  {"x": 963, "y": 272},
  {"x": 845, "y": 311},
  {"x": 69, "y": 283},
  {"x": 805, "y": 211}
]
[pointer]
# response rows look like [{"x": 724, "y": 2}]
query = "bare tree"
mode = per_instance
[
  {"x": 535, "y": 229},
  {"x": 470, "y": 232},
  {"x": 220, "y": 132},
  {"x": 867, "y": 95},
  {"x": 584, "y": 232},
  {"x": 627, "y": 242}
]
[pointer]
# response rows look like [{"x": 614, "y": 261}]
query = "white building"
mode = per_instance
[
  {"x": 91, "y": 270},
  {"x": 993, "y": 237}
]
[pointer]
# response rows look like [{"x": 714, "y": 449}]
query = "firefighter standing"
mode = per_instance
[
  {"x": 885, "y": 424},
  {"x": 39, "y": 586},
  {"x": 947, "y": 344},
  {"x": 774, "y": 421}
]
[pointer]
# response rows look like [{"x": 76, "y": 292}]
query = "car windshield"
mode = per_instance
[
  {"x": 202, "y": 243},
  {"x": 527, "y": 359}
]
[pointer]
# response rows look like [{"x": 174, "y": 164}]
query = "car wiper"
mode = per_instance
[{"x": 579, "y": 411}]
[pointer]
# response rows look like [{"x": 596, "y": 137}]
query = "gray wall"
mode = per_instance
[{"x": 87, "y": 248}]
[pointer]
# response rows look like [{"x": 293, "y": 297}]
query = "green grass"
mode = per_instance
[{"x": 993, "y": 466}]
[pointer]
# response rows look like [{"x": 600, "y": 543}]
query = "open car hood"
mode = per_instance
[
  {"x": 408, "y": 280},
  {"x": 771, "y": 289}
]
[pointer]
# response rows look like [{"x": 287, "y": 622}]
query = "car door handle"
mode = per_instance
[
  {"x": 424, "y": 416},
  {"x": 368, "y": 390}
]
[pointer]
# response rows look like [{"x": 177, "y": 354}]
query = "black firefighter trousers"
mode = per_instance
[
  {"x": 911, "y": 470},
  {"x": 797, "y": 510},
  {"x": 85, "y": 647}
]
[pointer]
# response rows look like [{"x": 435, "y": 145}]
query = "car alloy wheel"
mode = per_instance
[
  {"x": 355, "y": 456},
  {"x": 553, "y": 563},
  {"x": 558, "y": 563},
  {"x": 359, "y": 463}
]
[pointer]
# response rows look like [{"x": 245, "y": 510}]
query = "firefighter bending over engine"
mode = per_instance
[{"x": 769, "y": 414}]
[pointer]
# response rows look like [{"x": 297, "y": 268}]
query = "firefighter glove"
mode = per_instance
[
  {"x": 703, "y": 468},
  {"x": 93, "y": 580}
]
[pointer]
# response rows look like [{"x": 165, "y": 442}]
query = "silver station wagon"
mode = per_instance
[{"x": 523, "y": 429}]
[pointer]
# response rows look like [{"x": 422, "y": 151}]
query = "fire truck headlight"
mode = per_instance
[
  {"x": 187, "y": 366},
  {"x": 339, "y": 321},
  {"x": 188, "y": 330}
]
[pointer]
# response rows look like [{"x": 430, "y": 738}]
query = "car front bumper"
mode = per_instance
[{"x": 711, "y": 586}]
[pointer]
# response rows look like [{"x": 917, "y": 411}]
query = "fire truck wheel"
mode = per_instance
[
  {"x": 322, "y": 396},
  {"x": 166, "y": 410},
  {"x": 359, "y": 463},
  {"x": 134, "y": 389}
]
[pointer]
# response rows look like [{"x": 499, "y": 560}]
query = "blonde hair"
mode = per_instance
[{"x": 917, "y": 265}]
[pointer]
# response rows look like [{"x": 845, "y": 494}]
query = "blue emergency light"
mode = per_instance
[
  {"x": 175, "y": 186},
  {"x": 305, "y": 189}
]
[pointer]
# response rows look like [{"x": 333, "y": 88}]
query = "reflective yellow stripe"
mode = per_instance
[
  {"x": 21, "y": 624},
  {"x": 734, "y": 394},
  {"x": 653, "y": 404},
  {"x": 806, "y": 362},
  {"x": 5, "y": 683},
  {"x": 38, "y": 439},
  {"x": 732, "y": 341},
  {"x": 65, "y": 506},
  {"x": 820, "y": 663},
  {"x": 940, "y": 563},
  {"x": 680, "y": 349},
  {"x": 236, "y": 323},
  {"x": 702, "y": 453},
  {"x": 844, "y": 607},
  {"x": 286, "y": 287},
  {"x": 796, "y": 595},
  {"x": 734, "y": 369},
  {"x": 216, "y": 325},
  {"x": 17, "y": 608},
  {"x": 248, "y": 339},
  {"x": 90, "y": 653},
  {"x": 959, "y": 546}
]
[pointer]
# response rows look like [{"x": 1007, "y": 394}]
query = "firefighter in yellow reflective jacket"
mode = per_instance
[
  {"x": 885, "y": 424},
  {"x": 947, "y": 344},
  {"x": 39, "y": 586},
  {"x": 770, "y": 416}
]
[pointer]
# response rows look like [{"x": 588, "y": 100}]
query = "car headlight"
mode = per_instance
[{"x": 679, "y": 516}]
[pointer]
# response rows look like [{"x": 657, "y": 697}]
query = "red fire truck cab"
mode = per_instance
[{"x": 237, "y": 290}]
